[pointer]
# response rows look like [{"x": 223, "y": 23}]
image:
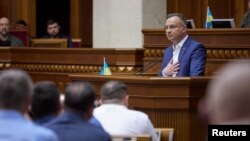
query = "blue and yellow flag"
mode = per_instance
[
  {"x": 105, "y": 69},
  {"x": 209, "y": 19}
]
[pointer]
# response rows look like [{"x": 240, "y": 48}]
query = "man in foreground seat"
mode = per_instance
[
  {"x": 228, "y": 96},
  {"x": 72, "y": 124},
  {"x": 116, "y": 118},
  {"x": 15, "y": 95}
]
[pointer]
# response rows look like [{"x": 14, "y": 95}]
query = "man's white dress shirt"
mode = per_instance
[{"x": 117, "y": 119}]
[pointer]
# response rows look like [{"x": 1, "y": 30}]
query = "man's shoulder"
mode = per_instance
[
  {"x": 42, "y": 132},
  {"x": 193, "y": 41},
  {"x": 12, "y": 37},
  {"x": 138, "y": 114},
  {"x": 194, "y": 44},
  {"x": 76, "y": 127}
]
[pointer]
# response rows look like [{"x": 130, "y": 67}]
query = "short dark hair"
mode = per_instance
[
  {"x": 113, "y": 90},
  {"x": 181, "y": 17},
  {"x": 21, "y": 22},
  {"x": 15, "y": 89},
  {"x": 45, "y": 100},
  {"x": 79, "y": 96},
  {"x": 52, "y": 21}
]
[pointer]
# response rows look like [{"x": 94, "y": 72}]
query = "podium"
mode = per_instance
[{"x": 169, "y": 102}]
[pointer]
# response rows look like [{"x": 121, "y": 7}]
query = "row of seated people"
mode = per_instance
[
  {"x": 17, "y": 35},
  {"x": 72, "y": 117}
]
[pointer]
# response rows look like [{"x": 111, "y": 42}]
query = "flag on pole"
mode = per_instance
[
  {"x": 105, "y": 69},
  {"x": 209, "y": 19}
]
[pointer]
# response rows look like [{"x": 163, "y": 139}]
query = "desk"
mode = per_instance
[
  {"x": 169, "y": 102},
  {"x": 56, "y": 63}
]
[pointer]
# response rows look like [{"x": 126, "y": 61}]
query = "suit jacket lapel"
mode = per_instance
[{"x": 183, "y": 49}]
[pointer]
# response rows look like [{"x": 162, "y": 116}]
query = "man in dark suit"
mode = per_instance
[
  {"x": 45, "y": 104},
  {"x": 185, "y": 57},
  {"x": 73, "y": 124},
  {"x": 15, "y": 94},
  {"x": 54, "y": 31}
]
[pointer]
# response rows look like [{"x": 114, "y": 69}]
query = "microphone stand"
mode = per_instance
[{"x": 147, "y": 66}]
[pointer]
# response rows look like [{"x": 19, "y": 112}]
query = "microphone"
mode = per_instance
[{"x": 149, "y": 65}]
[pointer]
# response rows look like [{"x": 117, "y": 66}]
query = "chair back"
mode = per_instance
[
  {"x": 50, "y": 43},
  {"x": 131, "y": 138},
  {"x": 20, "y": 32},
  {"x": 165, "y": 134},
  {"x": 77, "y": 43}
]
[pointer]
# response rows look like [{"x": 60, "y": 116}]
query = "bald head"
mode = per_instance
[
  {"x": 228, "y": 95},
  {"x": 4, "y": 26},
  {"x": 113, "y": 92}
]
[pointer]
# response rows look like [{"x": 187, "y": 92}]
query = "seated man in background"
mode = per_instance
[
  {"x": 15, "y": 94},
  {"x": 45, "y": 102},
  {"x": 54, "y": 31},
  {"x": 227, "y": 100},
  {"x": 185, "y": 57},
  {"x": 5, "y": 38},
  {"x": 72, "y": 124},
  {"x": 116, "y": 118}
]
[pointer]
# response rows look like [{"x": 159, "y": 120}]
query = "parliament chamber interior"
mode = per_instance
[{"x": 170, "y": 103}]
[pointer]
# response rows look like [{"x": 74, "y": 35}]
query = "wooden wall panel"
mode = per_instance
[
  {"x": 239, "y": 8},
  {"x": 86, "y": 20},
  {"x": 5, "y": 8},
  {"x": 26, "y": 10},
  {"x": 196, "y": 10},
  {"x": 74, "y": 18},
  {"x": 220, "y": 8},
  {"x": 192, "y": 9},
  {"x": 82, "y": 20},
  {"x": 20, "y": 9}
]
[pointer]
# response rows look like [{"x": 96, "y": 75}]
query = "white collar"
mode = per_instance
[{"x": 180, "y": 44}]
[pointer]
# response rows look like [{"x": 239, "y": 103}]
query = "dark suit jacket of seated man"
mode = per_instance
[
  {"x": 54, "y": 31},
  {"x": 185, "y": 57}
]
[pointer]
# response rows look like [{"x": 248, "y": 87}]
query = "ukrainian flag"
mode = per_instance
[
  {"x": 209, "y": 19},
  {"x": 105, "y": 69}
]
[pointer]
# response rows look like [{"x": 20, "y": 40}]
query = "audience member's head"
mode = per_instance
[
  {"x": 228, "y": 96},
  {"x": 176, "y": 27},
  {"x": 53, "y": 28},
  {"x": 45, "y": 100},
  {"x": 114, "y": 92},
  {"x": 79, "y": 98},
  {"x": 4, "y": 26},
  {"x": 15, "y": 90},
  {"x": 21, "y": 22}
]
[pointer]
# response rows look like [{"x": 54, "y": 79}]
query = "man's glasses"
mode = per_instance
[{"x": 171, "y": 27}]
